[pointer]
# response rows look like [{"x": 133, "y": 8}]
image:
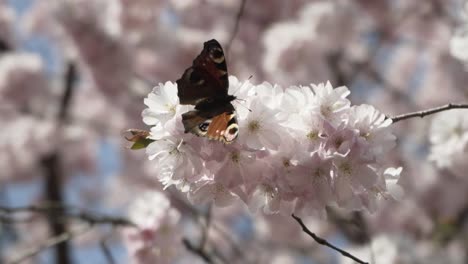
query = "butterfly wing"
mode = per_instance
[
  {"x": 222, "y": 126},
  {"x": 207, "y": 78},
  {"x": 205, "y": 85}
]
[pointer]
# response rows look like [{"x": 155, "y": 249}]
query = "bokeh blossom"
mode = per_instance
[
  {"x": 156, "y": 236},
  {"x": 449, "y": 139},
  {"x": 303, "y": 148}
]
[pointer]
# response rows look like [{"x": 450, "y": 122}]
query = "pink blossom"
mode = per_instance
[
  {"x": 157, "y": 236},
  {"x": 325, "y": 154}
]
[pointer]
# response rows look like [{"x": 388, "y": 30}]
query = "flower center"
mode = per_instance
[
  {"x": 317, "y": 173},
  {"x": 458, "y": 131},
  {"x": 268, "y": 191},
  {"x": 219, "y": 189},
  {"x": 365, "y": 135},
  {"x": 338, "y": 142},
  {"x": 254, "y": 126},
  {"x": 286, "y": 163},
  {"x": 346, "y": 168},
  {"x": 313, "y": 135},
  {"x": 326, "y": 110},
  {"x": 174, "y": 151},
  {"x": 171, "y": 108},
  {"x": 235, "y": 157}
]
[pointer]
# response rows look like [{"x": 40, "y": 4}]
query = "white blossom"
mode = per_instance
[{"x": 300, "y": 148}]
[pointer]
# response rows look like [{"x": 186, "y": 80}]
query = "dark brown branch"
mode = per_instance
[
  {"x": 197, "y": 251},
  {"x": 431, "y": 111},
  {"x": 53, "y": 173},
  {"x": 184, "y": 206},
  {"x": 64, "y": 212},
  {"x": 69, "y": 81},
  {"x": 236, "y": 25},
  {"x": 206, "y": 229},
  {"x": 4, "y": 46},
  {"x": 107, "y": 253},
  {"x": 324, "y": 242},
  {"x": 53, "y": 192},
  {"x": 51, "y": 242}
]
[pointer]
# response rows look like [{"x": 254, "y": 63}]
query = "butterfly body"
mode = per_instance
[{"x": 205, "y": 84}]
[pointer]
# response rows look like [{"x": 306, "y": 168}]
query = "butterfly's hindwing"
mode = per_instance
[{"x": 222, "y": 127}]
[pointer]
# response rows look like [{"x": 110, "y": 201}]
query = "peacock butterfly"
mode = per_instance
[{"x": 205, "y": 84}]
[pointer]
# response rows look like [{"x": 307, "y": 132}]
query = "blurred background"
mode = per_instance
[{"x": 73, "y": 75}]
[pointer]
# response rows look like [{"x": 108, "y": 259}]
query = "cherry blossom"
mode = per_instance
[
  {"x": 302, "y": 146},
  {"x": 449, "y": 138},
  {"x": 388, "y": 248},
  {"x": 156, "y": 235},
  {"x": 334, "y": 161}
]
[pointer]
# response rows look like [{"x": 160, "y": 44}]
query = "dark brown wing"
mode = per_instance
[{"x": 207, "y": 78}]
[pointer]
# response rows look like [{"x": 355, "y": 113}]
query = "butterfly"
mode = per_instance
[{"x": 205, "y": 84}]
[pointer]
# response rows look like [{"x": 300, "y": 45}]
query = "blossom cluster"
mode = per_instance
[
  {"x": 400, "y": 249},
  {"x": 299, "y": 149},
  {"x": 157, "y": 235},
  {"x": 449, "y": 141},
  {"x": 459, "y": 40}
]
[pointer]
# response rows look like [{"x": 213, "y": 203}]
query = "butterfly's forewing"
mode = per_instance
[
  {"x": 207, "y": 78},
  {"x": 205, "y": 85}
]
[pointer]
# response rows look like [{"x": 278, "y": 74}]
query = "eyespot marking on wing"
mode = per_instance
[
  {"x": 204, "y": 126},
  {"x": 216, "y": 54},
  {"x": 205, "y": 85}
]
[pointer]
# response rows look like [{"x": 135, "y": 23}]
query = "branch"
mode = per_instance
[
  {"x": 236, "y": 25},
  {"x": 205, "y": 231},
  {"x": 324, "y": 242},
  {"x": 53, "y": 241},
  {"x": 428, "y": 112},
  {"x": 107, "y": 252},
  {"x": 197, "y": 251},
  {"x": 61, "y": 212},
  {"x": 65, "y": 212},
  {"x": 196, "y": 214},
  {"x": 54, "y": 175},
  {"x": 53, "y": 192},
  {"x": 69, "y": 81}
]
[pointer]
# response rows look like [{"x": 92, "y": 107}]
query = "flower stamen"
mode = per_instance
[
  {"x": 313, "y": 135},
  {"x": 254, "y": 126},
  {"x": 235, "y": 157}
]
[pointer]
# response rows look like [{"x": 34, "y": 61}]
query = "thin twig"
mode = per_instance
[
  {"x": 236, "y": 25},
  {"x": 61, "y": 212},
  {"x": 206, "y": 230},
  {"x": 225, "y": 234},
  {"x": 428, "y": 112},
  {"x": 53, "y": 241},
  {"x": 324, "y": 242},
  {"x": 67, "y": 212},
  {"x": 107, "y": 252},
  {"x": 197, "y": 251}
]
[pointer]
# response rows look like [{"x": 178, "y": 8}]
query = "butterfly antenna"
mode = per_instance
[
  {"x": 243, "y": 100},
  {"x": 250, "y": 77}
]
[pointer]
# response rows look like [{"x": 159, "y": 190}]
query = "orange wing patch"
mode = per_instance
[{"x": 223, "y": 127}]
